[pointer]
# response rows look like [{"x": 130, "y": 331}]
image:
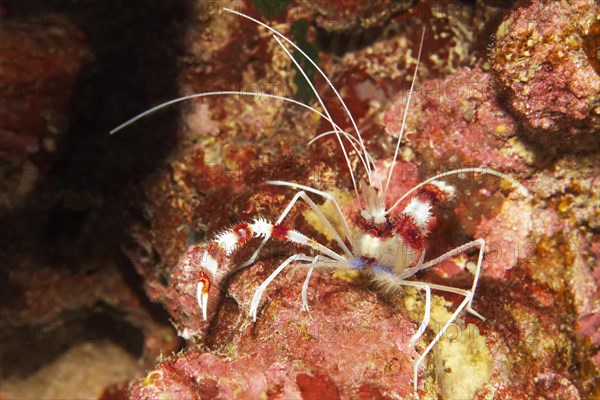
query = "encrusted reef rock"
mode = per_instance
[
  {"x": 355, "y": 15},
  {"x": 535, "y": 284},
  {"x": 348, "y": 344},
  {"x": 458, "y": 120},
  {"x": 546, "y": 60},
  {"x": 547, "y": 239}
]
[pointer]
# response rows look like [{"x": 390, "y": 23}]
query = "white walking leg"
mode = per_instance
[
  {"x": 263, "y": 286},
  {"x": 426, "y": 315},
  {"x": 318, "y": 261},
  {"x": 305, "y": 306},
  {"x": 437, "y": 339},
  {"x": 475, "y": 243}
]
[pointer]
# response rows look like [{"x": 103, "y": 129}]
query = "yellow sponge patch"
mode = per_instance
[{"x": 463, "y": 362}]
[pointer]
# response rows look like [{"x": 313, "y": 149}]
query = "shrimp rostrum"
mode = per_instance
[{"x": 385, "y": 245}]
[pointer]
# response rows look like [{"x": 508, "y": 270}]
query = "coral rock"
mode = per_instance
[
  {"x": 349, "y": 340},
  {"x": 546, "y": 60},
  {"x": 355, "y": 15},
  {"x": 457, "y": 121},
  {"x": 354, "y": 342}
]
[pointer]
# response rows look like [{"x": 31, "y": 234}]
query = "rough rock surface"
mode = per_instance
[
  {"x": 355, "y": 15},
  {"x": 550, "y": 236},
  {"x": 539, "y": 336},
  {"x": 546, "y": 60}
]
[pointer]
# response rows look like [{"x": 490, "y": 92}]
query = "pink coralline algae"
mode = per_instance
[
  {"x": 456, "y": 121},
  {"x": 354, "y": 342},
  {"x": 544, "y": 243},
  {"x": 536, "y": 285},
  {"x": 348, "y": 342},
  {"x": 546, "y": 60}
]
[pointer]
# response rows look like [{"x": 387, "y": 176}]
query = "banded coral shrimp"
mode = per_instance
[{"x": 386, "y": 246}]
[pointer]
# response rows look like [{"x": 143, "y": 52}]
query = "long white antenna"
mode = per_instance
[
  {"x": 336, "y": 128},
  {"x": 317, "y": 68},
  {"x": 329, "y": 116},
  {"x": 218, "y": 93},
  {"x": 482, "y": 170},
  {"x": 352, "y": 141},
  {"x": 412, "y": 87}
]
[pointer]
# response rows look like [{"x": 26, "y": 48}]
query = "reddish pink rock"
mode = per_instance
[
  {"x": 545, "y": 63},
  {"x": 354, "y": 343},
  {"x": 548, "y": 237},
  {"x": 348, "y": 340},
  {"x": 457, "y": 122}
]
